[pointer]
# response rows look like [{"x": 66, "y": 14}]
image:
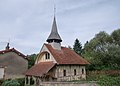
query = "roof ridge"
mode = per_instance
[{"x": 14, "y": 50}]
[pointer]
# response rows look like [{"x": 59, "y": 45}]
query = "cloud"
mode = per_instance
[{"x": 27, "y": 23}]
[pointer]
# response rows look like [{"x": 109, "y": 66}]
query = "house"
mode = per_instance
[
  {"x": 13, "y": 63},
  {"x": 56, "y": 63}
]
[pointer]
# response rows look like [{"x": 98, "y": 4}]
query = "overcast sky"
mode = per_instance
[{"x": 27, "y": 23}]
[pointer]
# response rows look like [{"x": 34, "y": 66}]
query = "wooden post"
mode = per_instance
[
  {"x": 28, "y": 80},
  {"x": 34, "y": 78},
  {"x": 25, "y": 81}
]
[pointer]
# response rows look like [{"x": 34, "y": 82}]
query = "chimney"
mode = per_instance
[{"x": 7, "y": 47}]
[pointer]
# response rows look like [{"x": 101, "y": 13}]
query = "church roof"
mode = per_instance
[
  {"x": 40, "y": 69},
  {"x": 66, "y": 56},
  {"x": 54, "y": 32}
]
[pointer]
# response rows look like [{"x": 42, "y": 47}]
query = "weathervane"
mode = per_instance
[{"x": 54, "y": 8}]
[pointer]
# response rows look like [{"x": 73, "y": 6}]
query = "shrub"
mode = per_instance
[
  {"x": 109, "y": 81},
  {"x": 11, "y": 83},
  {"x": 1, "y": 81},
  {"x": 21, "y": 81}
]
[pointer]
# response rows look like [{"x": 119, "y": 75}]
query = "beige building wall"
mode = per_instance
[{"x": 15, "y": 65}]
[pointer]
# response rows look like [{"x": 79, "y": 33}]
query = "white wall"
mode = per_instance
[{"x": 1, "y": 72}]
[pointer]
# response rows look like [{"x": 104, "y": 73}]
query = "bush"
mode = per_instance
[
  {"x": 21, "y": 81},
  {"x": 109, "y": 81},
  {"x": 1, "y": 81},
  {"x": 11, "y": 83}
]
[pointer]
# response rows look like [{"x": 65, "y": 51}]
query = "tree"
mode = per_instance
[
  {"x": 77, "y": 47},
  {"x": 32, "y": 60},
  {"x": 102, "y": 52},
  {"x": 116, "y": 36}
]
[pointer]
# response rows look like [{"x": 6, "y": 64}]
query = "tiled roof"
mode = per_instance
[
  {"x": 66, "y": 56},
  {"x": 40, "y": 68},
  {"x": 14, "y": 50}
]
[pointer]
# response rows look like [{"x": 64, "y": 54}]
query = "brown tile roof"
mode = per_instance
[
  {"x": 40, "y": 68},
  {"x": 66, "y": 56},
  {"x": 14, "y": 50}
]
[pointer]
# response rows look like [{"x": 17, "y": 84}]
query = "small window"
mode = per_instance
[
  {"x": 64, "y": 72},
  {"x": 47, "y": 56},
  {"x": 75, "y": 72},
  {"x": 82, "y": 71}
]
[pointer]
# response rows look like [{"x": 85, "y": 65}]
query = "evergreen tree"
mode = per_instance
[{"x": 77, "y": 47}]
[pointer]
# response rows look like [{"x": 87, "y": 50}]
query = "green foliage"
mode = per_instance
[
  {"x": 109, "y": 81},
  {"x": 103, "y": 51},
  {"x": 21, "y": 81},
  {"x": 11, "y": 83},
  {"x": 116, "y": 36},
  {"x": 1, "y": 81},
  {"x": 105, "y": 80},
  {"x": 77, "y": 47},
  {"x": 32, "y": 60}
]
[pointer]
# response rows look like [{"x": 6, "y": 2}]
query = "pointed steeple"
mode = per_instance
[{"x": 54, "y": 36}]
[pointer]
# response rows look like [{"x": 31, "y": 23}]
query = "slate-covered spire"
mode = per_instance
[{"x": 54, "y": 36}]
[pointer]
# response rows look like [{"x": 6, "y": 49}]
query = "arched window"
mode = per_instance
[
  {"x": 75, "y": 72},
  {"x": 47, "y": 56},
  {"x": 64, "y": 72}
]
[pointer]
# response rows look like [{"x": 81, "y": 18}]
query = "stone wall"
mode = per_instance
[{"x": 68, "y": 84}]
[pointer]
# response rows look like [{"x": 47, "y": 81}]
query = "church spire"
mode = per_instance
[{"x": 54, "y": 36}]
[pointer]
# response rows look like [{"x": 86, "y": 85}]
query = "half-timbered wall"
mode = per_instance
[{"x": 70, "y": 73}]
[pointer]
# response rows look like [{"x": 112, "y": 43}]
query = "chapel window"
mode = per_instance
[
  {"x": 82, "y": 71},
  {"x": 47, "y": 56},
  {"x": 75, "y": 72},
  {"x": 64, "y": 72}
]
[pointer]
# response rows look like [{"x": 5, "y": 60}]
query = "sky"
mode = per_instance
[{"x": 26, "y": 24}]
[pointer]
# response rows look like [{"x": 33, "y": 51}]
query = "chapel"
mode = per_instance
[{"x": 56, "y": 62}]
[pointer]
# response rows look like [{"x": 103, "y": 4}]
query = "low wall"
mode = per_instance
[
  {"x": 104, "y": 72},
  {"x": 68, "y": 84}
]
